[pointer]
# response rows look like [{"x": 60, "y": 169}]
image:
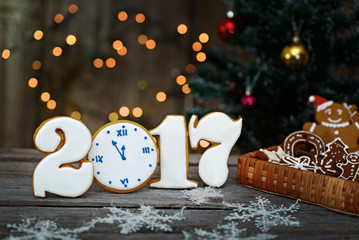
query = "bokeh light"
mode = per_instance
[
  {"x": 71, "y": 39},
  {"x": 122, "y": 51},
  {"x": 142, "y": 84},
  {"x": 122, "y": 16},
  {"x": 190, "y": 68},
  {"x": 45, "y": 96},
  {"x": 113, "y": 116},
  {"x": 230, "y": 14},
  {"x": 186, "y": 89},
  {"x": 161, "y": 96},
  {"x": 36, "y": 65},
  {"x": 203, "y": 37},
  {"x": 117, "y": 44},
  {"x": 180, "y": 80},
  {"x": 76, "y": 115},
  {"x": 201, "y": 57},
  {"x": 140, "y": 17},
  {"x": 57, "y": 51},
  {"x": 38, "y": 34},
  {"x": 110, "y": 62},
  {"x": 98, "y": 63},
  {"x": 142, "y": 39},
  {"x": 137, "y": 112},
  {"x": 73, "y": 8},
  {"x": 182, "y": 29},
  {"x": 59, "y": 18},
  {"x": 51, "y": 104},
  {"x": 32, "y": 82},
  {"x": 150, "y": 44},
  {"x": 5, "y": 54},
  {"x": 196, "y": 46},
  {"x": 124, "y": 111}
]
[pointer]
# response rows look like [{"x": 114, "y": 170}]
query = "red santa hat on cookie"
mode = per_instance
[{"x": 319, "y": 102}]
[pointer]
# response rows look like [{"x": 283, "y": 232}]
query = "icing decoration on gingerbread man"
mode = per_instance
[
  {"x": 350, "y": 169},
  {"x": 334, "y": 120},
  {"x": 336, "y": 154}
]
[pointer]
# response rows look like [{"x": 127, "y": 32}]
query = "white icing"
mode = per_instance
[
  {"x": 334, "y": 121},
  {"x": 124, "y": 155},
  {"x": 336, "y": 132},
  {"x": 324, "y": 105},
  {"x": 274, "y": 156},
  {"x": 357, "y": 125},
  {"x": 173, "y": 154},
  {"x": 218, "y": 128},
  {"x": 335, "y": 125},
  {"x": 312, "y": 127},
  {"x": 48, "y": 175}
]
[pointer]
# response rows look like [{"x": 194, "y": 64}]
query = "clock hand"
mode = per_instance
[
  {"x": 122, "y": 154},
  {"x": 123, "y": 148}
]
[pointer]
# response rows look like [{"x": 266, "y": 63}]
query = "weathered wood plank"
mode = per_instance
[
  {"x": 328, "y": 225},
  {"x": 17, "y": 202}
]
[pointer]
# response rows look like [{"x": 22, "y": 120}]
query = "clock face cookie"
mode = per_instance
[{"x": 124, "y": 156}]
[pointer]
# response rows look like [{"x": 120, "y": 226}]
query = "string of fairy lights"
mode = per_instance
[{"x": 110, "y": 62}]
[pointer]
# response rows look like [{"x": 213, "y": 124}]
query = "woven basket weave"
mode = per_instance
[{"x": 330, "y": 192}]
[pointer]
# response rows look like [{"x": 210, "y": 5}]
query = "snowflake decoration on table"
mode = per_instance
[
  {"x": 44, "y": 229},
  {"x": 202, "y": 195},
  {"x": 229, "y": 231},
  {"x": 265, "y": 214},
  {"x": 130, "y": 222}
]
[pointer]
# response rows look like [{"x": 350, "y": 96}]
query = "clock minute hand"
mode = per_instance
[{"x": 122, "y": 154}]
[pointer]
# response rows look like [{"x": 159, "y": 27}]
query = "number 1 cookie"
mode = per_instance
[{"x": 124, "y": 155}]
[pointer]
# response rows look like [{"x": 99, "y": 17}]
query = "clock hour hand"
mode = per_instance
[{"x": 122, "y": 152}]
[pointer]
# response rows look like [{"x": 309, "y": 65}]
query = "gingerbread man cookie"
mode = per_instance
[
  {"x": 334, "y": 120},
  {"x": 350, "y": 169}
]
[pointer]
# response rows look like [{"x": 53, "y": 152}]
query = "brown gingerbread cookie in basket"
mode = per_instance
[{"x": 335, "y": 120}]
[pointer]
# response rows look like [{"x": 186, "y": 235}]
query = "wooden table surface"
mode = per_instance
[{"x": 17, "y": 203}]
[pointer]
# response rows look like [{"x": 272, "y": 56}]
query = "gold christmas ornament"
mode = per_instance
[{"x": 295, "y": 56}]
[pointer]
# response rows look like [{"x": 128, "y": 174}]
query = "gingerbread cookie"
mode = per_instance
[
  {"x": 272, "y": 156},
  {"x": 335, "y": 120},
  {"x": 350, "y": 169},
  {"x": 303, "y": 163},
  {"x": 336, "y": 154},
  {"x": 303, "y": 143},
  {"x": 124, "y": 156},
  {"x": 65, "y": 141}
]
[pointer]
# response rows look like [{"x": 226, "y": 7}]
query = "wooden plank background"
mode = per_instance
[{"x": 17, "y": 203}]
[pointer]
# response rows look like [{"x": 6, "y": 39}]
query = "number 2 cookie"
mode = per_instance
[{"x": 124, "y": 155}]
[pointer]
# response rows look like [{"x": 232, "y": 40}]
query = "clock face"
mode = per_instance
[{"x": 124, "y": 156}]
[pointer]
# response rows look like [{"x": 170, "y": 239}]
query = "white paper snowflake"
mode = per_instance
[
  {"x": 229, "y": 231},
  {"x": 264, "y": 213},
  {"x": 146, "y": 216},
  {"x": 202, "y": 195},
  {"x": 44, "y": 229}
]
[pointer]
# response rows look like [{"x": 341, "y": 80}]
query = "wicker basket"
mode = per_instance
[{"x": 330, "y": 192}]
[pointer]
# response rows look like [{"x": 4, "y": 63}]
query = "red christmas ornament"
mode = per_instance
[
  {"x": 228, "y": 26},
  {"x": 248, "y": 102}
]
